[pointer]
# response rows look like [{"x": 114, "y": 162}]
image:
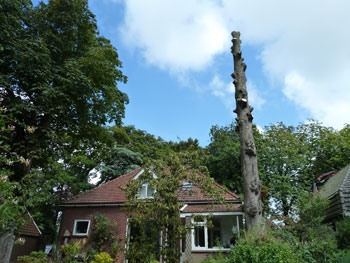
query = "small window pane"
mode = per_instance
[
  {"x": 214, "y": 234},
  {"x": 150, "y": 191},
  {"x": 199, "y": 236},
  {"x": 143, "y": 191},
  {"x": 214, "y": 238},
  {"x": 81, "y": 227}
]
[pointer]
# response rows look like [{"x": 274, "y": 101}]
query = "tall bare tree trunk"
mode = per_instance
[
  {"x": 251, "y": 183},
  {"x": 6, "y": 244}
]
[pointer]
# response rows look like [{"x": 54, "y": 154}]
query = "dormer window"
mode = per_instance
[
  {"x": 146, "y": 190},
  {"x": 186, "y": 186}
]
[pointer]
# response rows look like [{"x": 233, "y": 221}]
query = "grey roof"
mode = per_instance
[
  {"x": 337, "y": 190},
  {"x": 345, "y": 194},
  {"x": 333, "y": 185}
]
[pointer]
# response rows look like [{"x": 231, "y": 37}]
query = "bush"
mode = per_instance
[
  {"x": 318, "y": 243},
  {"x": 102, "y": 257},
  {"x": 342, "y": 257},
  {"x": 70, "y": 252},
  {"x": 34, "y": 257},
  {"x": 267, "y": 251},
  {"x": 343, "y": 233},
  {"x": 260, "y": 248}
]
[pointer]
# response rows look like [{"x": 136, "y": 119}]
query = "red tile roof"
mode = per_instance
[
  {"x": 212, "y": 208},
  {"x": 110, "y": 192},
  {"x": 29, "y": 228},
  {"x": 196, "y": 194}
]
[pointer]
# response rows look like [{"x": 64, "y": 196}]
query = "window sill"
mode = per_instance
[{"x": 79, "y": 235}]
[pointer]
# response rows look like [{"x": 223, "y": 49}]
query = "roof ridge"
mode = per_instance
[
  {"x": 101, "y": 185},
  {"x": 33, "y": 221}
]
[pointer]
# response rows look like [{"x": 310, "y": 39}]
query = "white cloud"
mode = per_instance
[
  {"x": 226, "y": 92},
  {"x": 176, "y": 35},
  {"x": 304, "y": 44}
]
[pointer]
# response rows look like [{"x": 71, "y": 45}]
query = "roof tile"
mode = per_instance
[{"x": 110, "y": 192}]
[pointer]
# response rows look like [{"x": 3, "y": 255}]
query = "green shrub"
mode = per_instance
[
  {"x": 321, "y": 243},
  {"x": 263, "y": 251},
  {"x": 216, "y": 259},
  {"x": 343, "y": 233},
  {"x": 342, "y": 257},
  {"x": 102, "y": 257},
  {"x": 260, "y": 248},
  {"x": 34, "y": 257},
  {"x": 70, "y": 252},
  {"x": 317, "y": 239}
]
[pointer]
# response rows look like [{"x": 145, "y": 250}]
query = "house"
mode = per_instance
[
  {"x": 336, "y": 188},
  {"x": 108, "y": 199},
  {"x": 28, "y": 239}
]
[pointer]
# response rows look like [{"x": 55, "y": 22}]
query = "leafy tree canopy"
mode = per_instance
[{"x": 58, "y": 77}]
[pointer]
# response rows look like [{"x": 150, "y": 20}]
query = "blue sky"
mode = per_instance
[{"x": 177, "y": 57}]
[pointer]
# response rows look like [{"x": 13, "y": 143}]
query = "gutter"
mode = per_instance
[{"x": 122, "y": 203}]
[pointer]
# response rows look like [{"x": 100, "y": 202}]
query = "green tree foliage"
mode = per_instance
[
  {"x": 292, "y": 157},
  {"x": 328, "y": 149},
  {"x": 118, "y": 162},
  {"x": 318, "y": 243},
  {"x": 282, "y": 161},
  {"x": 289, "y": 159},
  {"x": 343, "y": 233},
  {"x": 151, "y": 147},
  {"x": 223, "y": 159},
  {"x": 140, "y": 141},
  {"x": 58, "y": 76},
  {"x": 58, "y": 89}
]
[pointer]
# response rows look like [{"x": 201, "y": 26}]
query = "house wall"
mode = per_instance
[
  {"x": 113, "y": 213},
  {"x": 30, "y": 244}
]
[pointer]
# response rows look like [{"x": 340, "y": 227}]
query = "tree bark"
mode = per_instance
[
  {"x": 251, "y": 183},
  {"x": 6, "y": 244}
]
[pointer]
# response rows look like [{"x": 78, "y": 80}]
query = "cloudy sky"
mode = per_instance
[{"x": 177, "y": 57}]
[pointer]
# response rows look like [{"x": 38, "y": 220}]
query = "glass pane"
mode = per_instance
[
  {"x": 214, "y": 238},
  {"x": 199, "y": 236},
  {"x": 143, "y": 191},
  {"x": 214, "y": 234},
  {"x": 150, "y": 191},
  {"x": 81, "y": 227}
]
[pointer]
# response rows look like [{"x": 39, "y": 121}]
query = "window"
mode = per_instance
[
  {"x": 186, "y": 186},
  {"x": 81, "y": 227},
  {"x": 215, "y": 235},
  {"x": 146, "y": 191}
]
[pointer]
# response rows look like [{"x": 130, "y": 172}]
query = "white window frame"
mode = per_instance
[
  {"x": 75, "y": 227},
  {"x": 146, "y": 184},
  {"x": 204, "y": 223}
]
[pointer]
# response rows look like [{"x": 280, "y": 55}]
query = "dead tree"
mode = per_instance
[{"x": 251, "y": 183}]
